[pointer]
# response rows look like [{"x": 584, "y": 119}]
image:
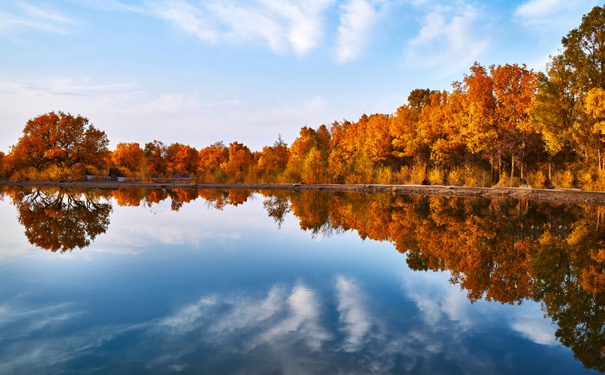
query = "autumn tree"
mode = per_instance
[
  {"x": 157, "y": 160},
  {"x": 240, "y": 158},
  {"x": 273, "y": 160},
  {"x": 580, "y": 68},
  {"x": 554, "y": 112},
  {"x": 63, "y": 140},
  {"x": 128, "y": 157},
  {"x": 209, "y": 163},
  {"x": 402, "y": 129},
  {"x": 309, "y": 139},
  {"x": 183, "y": 158},
  {"x": 515, "y": 89}
]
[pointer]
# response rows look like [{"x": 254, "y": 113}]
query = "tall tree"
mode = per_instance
[
  {"x": 63, "y": 140},
  {"x": 583, "y": 69}
]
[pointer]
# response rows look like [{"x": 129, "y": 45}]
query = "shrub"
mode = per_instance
[
  {"x": 435, "y": 177},
  {"x": 564, "y": 180},
  {"x": 384, "y": 176},
  {"x": 537, "y": 180}
]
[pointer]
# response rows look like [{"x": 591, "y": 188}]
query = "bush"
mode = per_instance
[
  {"x": 435, "y": 177},
  {"x": 384, "y": 176},
  {"x": 537, "y": 180}
]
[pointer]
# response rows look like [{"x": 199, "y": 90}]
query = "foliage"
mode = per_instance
[{"x": 61, "y": 140}]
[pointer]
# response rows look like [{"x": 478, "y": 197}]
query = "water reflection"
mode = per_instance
[
  {"x": 505, "y": 250},
  {"x": 61, "y": 220}
]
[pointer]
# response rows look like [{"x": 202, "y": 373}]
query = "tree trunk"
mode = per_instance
[
  {"x": 512, "y": 169},
  {"x": 499, "y": 167},
  {"x": 550, "y": 170}
]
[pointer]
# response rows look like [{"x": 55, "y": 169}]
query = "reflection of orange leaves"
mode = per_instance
[
  {"x": 217, "y": 198},
  {"x": 593, "y": 277},
  {"x": 237, "y": 197},
  {"x": 129, "y": 197},
  {"x": 156, "y": 196},
  {"x": 185, "y": 195}
]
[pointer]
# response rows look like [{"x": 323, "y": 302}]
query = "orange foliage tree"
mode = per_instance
[
  {"x": 62, "y": 140},
  {"x": 183, "y": 159},
  {"x": 128, "y": 157},
  {"x": 240, "y": 158},
  {"x": 273, "y": 161}
]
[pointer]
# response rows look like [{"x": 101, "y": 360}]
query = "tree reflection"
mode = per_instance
[
  {"x": 502, "y": 250},
  {"x": 61, "y": 219},
  {"x": 499, "y": 250}
]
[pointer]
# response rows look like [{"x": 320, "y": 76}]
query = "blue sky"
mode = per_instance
[{"x": 197, "y": 72}]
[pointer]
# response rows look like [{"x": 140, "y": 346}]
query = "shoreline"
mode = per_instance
[{"x": 573, "y": 196}]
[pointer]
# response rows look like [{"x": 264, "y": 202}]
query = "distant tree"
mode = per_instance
[
  {"x": 129, "y": 157},
  {"x": 240, "y": 158},
  {"x": 183, "y": 158},
  {"x": 210, "y": 158},
  {"x": 63, "y": 140},
  {"x": 157, "y": 161},
  {"x": 273, "y": 160}
]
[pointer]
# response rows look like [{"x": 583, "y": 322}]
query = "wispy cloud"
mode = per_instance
[
  {"x": 552, "y": 14},
  {"x": 283, "y": 25},
  {"x": 450, "y": 38},
  {"x": 27, "y": 17}
]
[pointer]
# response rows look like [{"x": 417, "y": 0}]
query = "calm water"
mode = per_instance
[{"x": 142, "y": 281}]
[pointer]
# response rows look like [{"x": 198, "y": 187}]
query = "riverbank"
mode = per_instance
[{"x": 551, "y": 195}]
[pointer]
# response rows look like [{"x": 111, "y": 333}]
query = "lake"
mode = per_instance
[{"x": 241, "y": 282}]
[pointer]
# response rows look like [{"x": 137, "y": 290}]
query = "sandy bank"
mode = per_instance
[{"x": 553, "y": 195}]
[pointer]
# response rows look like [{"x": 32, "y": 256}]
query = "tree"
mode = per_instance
[
  {"x": 129, "y": 157},
  {"x": 240, "y": 158},
  {"x": 63, "y": 140},
  {"x": 580, "y": 68},
  {"x": 554, "y": 110},
  {"x": 157, "y": 161},
  {"x": 515, "y": 88},
  {"x": 273, "y": 160},
  {"x": 211, "y": 157},
  {"x": 183, "y": 158}
]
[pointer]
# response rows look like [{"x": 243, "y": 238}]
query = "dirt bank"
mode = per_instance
[{"x": 562, "y": 195}]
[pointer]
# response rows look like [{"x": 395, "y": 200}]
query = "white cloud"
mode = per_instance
[
  {"x": 450, "y": 39},
  {"x": 354, "y": 319},
  {"x": 303, "y": 321},
  {"x": 28, "y": 16},
  {"x": 537, "y": 330},
  {"x": 283, "y": 25},
  {"x": 356, "y": 20},
  {"x": 556, "y": 16}
]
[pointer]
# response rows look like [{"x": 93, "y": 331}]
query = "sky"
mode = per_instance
[{"x": 201, "y": 71}]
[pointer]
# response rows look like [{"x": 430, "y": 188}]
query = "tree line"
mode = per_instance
[{"x": 499, "y": 125}]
